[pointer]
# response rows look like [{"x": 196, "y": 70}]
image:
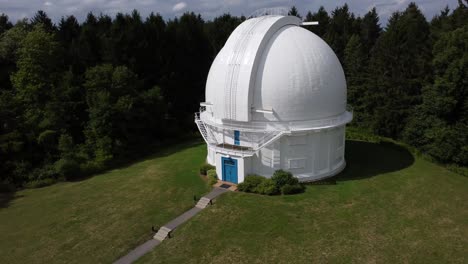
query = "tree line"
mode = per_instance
[{"x": 75, "y": 97}]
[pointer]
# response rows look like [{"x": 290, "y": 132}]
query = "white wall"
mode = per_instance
[{"x": 308, "y": 155}]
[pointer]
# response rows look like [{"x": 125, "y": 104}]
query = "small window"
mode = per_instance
[
  {"x": 297, "y": 163},
  {"x": 236, "y": 137},
  {"x": 298, "y": 140}
]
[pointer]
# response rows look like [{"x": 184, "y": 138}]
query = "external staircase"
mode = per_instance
[{"x": 255, "y": 144}]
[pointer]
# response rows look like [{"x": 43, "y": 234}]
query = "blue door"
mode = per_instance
[
  {"x": 229, "y": 169},
  {"x": 236, "y": 137}
]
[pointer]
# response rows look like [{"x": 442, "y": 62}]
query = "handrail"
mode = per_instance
[
  {"x": 260, "y": 126},
  {"x": 271, "y": 134}
]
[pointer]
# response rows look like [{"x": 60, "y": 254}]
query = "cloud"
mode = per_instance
[
  {"x": 179, "y": 6},
  {"x": 17, "y": 9}
]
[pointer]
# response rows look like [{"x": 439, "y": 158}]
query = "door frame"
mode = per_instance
[{"x": 223, "y": 168}]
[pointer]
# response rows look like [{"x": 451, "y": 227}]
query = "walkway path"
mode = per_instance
[{"x": 165, "y": 231}]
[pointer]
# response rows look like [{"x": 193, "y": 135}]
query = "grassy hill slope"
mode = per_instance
[
  {"x": 386, "y": 207},
  {"x": 99, "y": 219}
]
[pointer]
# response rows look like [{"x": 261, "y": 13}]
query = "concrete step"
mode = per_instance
[
  {"x": 203, "y": 203},
  {"x": 162, "y": 233}
]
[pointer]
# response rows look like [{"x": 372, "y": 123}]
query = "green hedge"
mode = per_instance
[
  {"x": 267, "y": 187},
  {"x": 250, "y": 183},
  {"x": 205, "y": 168},
  {"x": 212, "y": 177},
  {"x": 282, "y": 182},
  {"x": 281, "y": 178}
]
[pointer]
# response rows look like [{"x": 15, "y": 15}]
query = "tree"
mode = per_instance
[
  {"x": 400, "y": 66},
  {"x": 322, "y": 17},
  {"x": 188, "y": 63},
  {"x": 5, "y": 24},
  {"x": 89, "y": 43},
  {"x": 294, "y": 12},
  {"x": 38, "y": 73},
  {"x": 370, "y": 29},
  {"x": 41, "y": 18},
  {"x": 340, "y": 30},
  {"x": 153, "y": 62},
  {"x": 439, "y": 127},
  {"x": 219, "y": 31},
  {"x": 68, "y": 34},
  {"x": 110, "y": 95}
]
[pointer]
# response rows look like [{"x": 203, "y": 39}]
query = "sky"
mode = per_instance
[{"x": 18, "y": 9}]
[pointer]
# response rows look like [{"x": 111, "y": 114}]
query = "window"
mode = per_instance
[
  {"x": 236, "y": 137},
  {"x": 297, "y": 163}
]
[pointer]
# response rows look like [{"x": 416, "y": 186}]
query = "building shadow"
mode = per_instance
[{"x": 366, "y": 159}]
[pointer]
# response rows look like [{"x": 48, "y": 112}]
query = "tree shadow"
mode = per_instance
[
  {"x": 7, "y": 197},
  {"x": 366, "y": 159},
  {"x": 134, "y": 156}
]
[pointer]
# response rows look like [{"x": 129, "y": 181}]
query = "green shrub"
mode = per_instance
[
  {"x": 212, "y": 177},
  {"x": 250, "y": 183},
  {"x": 281, "y": 178},
  {"x": 267, "y": 187},
  {"x": 206, "y": 167},
  {"x": 68, "y": 168},
  {"x": 90, "y": 168},
  {"x": 45, "y": 172},
  {"x": 40, "y": 183},
  {"x": 292, "y": 189}
]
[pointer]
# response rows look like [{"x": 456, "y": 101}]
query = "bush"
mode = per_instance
[
  {"x": 292, "y": 189},
  {"x": 90, "y": 168},
  {"x": 250, "y": 183},
  {"x": 47, "y": 171},
  {"x": 68, "y": 168},
  {"x": 281, "y": 178},
  {"x": 212, "y": 177},
  {"x": 206, "y": 167},
  {"x": 267, "y": 187},
  {"x": 40, "y": 183},
  {"x": 281, "y": 181}
]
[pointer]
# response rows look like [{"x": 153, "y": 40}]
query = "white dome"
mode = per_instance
[{"x": 271, "y": 63}]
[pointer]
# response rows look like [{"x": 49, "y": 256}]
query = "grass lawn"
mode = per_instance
[
  {"x": 99, "y": 219},
  {"x": 386, "y": 207}
]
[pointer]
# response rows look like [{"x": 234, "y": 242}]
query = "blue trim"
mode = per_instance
[
  {"x": 229, "y": 169},
  {"x": 236, "y": 137}
]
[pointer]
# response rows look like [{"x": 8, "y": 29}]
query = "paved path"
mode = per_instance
[
  {"x": 138, "y": 252},
  {"x": 150, "y": 244}
]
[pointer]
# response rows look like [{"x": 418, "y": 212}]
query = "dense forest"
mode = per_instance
[{"x": 77, "y": 97}]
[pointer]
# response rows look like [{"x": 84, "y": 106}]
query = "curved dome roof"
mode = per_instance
[{"x": 271, "y": 63}]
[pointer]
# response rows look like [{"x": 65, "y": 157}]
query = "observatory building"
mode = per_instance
[{"x": 275, "y": 99}]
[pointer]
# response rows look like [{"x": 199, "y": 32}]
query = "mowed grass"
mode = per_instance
[
  {"x": 386, "y": 207},
  {"x": 99, "y": 219}
]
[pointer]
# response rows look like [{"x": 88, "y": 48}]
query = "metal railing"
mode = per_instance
[{"x": 255, "y": 135}]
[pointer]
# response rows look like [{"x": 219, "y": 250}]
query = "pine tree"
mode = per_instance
[
  {"x": 340, "y": 30},
  {"x": 41, "y": 18},
  {"x": 294, "y": 12},
  {"x": 5, "y": 24},
  {"x": 370, "y": 29},
  {"x": 322, "y": 17}
]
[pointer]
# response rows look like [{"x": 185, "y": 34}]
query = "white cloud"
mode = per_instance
[
  {"x": 179, "y": 6},
  {"x": 17, "y": 9}
]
